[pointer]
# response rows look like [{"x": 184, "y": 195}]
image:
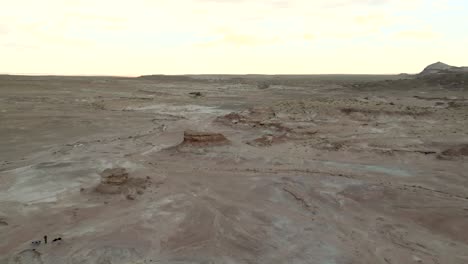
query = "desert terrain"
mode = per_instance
[{"x": 326, "y": 169}]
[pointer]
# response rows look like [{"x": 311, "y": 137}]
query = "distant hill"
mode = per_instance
[
  {"x": 440, "y": 67},
  {"x": 437, "y": 75},
  {"x": 436, "y": 68}
]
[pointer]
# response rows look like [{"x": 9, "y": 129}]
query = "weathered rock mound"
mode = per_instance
[
  {"x": 268, "y": 140},
  {"x": 114, "y": 176},
  {"x": 257, "y": 117},
  {"x": 437, "y": 75},
  {"x": 203, "y": 139},
  {"x": 440, "y": 67},
  {"x": 448, "y": 79},
  {"x": 455, "y": 152},
  {"x": 436, "y": 68},
  {"x": 117, "y": 181}
]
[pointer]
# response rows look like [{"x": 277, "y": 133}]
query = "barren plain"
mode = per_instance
[{"x": 331, "y": 169}]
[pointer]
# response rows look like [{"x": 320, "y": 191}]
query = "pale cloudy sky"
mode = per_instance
[{"x": 135, "y": 37}]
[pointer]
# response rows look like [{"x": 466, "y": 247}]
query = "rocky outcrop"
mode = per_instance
[
  {"x": 256, "y": 117},
  {"x": 196, "y": 94},
  {"x": 268, "y": 140},
  {"x": 442, "y": 68},
  {"x": 114, "y": 176},
  {"x": 436, "y": 68},
  {"x": 454, "y": 152},
  {"x": 196, "y": 138},
  {"x": 3, "y": 222},
  {"x": 117, "y": 181},
  {"x": 443, "y": 75},
  {"x": 252, "y": 116}
]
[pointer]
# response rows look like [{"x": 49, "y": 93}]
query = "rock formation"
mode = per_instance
[
  {"x": 268, "y": 140},
  {"x": 117, "y": 181},
  {"x": 195, "y": 138},
  {"x": 440, "y": 67},
  {"x": 436, "y": 68},
  {"x": 114, "y": 176},
  {"x": 454, "y": 152}
]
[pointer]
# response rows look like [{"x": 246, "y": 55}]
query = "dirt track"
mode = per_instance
[{"x": 313, "y": 171}]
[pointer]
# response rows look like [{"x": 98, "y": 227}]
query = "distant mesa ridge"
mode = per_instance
[{"x": 440, "y": 67}]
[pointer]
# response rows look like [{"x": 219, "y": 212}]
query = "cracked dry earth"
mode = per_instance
[{"x": 316, "y": 173}]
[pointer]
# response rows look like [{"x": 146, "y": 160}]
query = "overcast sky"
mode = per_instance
[{"x": 123, "y": 37}]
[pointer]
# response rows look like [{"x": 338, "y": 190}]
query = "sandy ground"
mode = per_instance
[{"x": 313, "y": 171}]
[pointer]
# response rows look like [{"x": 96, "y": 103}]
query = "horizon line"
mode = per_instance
[{"x": 192, "y": 74}]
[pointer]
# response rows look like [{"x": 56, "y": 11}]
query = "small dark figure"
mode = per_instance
[
  {"x": 57, "y": 239},
  {"x": 36, "y": 242},
  {"x": 45, "y": 239}
]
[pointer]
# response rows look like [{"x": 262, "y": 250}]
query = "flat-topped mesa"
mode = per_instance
[{"x": 197, "y": 138}]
